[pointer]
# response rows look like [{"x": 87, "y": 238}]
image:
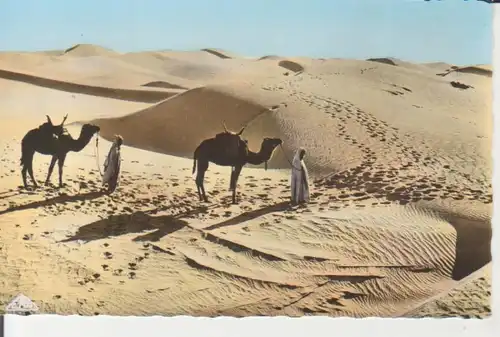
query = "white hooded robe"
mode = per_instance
[
  {"x": 300, "y": 180},
  {"x": 112, "y": 166}
]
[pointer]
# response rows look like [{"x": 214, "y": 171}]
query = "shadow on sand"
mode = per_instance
[
  {"x": 473, "y": 246},
  {"x": 282, "y": 206},
  {"x": 137, "y": 222},
  {"x": 63, "y": 198}
]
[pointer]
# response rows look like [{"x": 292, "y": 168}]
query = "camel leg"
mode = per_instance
[
  {"x": 23, "y": 173},
  {"x": 231, "y": 180},
  {"x": 30, "y": 172},
  {"x": 200, "y": 177},
  {"x": 51, "y": 168},
  {"x": 60, "y": 162},
  {"x": 198, "y": 187},
  {"x": 234, "y": 181},
  {"x": 27, "y": 164}
]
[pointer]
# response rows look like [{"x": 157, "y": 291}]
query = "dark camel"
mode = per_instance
[
  {"x": 53, "y": 141},
  {"x": 220, "y": 151}
]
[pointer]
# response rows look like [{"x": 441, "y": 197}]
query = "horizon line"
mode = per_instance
[{"x": 206, "y": 49}]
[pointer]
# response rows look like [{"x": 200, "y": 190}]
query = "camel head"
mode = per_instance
[
  {"x": 268, "y": 146},
  {"x": 271, "y": 143},
  {"x": 90, "y": 129}
]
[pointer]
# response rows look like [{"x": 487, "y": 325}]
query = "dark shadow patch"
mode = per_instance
[
  {"x": 251, "y": 215},
  {"x": 145, "y": 96},
  {"x": 473, "y": 246},
  {"x": 292, "y": 66},
  {"x": 163, "y": 84},
  {"x": 137, "y": 222},
  {"x": 383, "y": 60},
  {"x": 217, "y": 53},
  {"x": 459, "y": 85},
  {"x": 61, "y": 199},
  {"x": 196, "y": 265},
  {"x": 239, "y": 248}
]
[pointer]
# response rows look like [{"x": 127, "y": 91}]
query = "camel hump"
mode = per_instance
[
  {"x": 49, "y": 129},
  {"x": 229, "y": 143}
]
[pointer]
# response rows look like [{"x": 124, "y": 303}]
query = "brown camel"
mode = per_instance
[
  {"x": 56, "y": 144},
  {"x": 217, "y": 149}
]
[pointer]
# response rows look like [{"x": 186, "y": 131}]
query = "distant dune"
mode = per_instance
[
  {"x": 149, "y": 96},
  {"x": 85, "y": 50}
]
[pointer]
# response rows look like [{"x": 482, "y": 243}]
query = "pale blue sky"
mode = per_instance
[{"x": 454, "y": 31}]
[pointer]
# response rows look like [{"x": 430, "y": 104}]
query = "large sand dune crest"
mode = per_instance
[
  {"x": 204, "y": 109},
  {"x": 148, "y": 96}
]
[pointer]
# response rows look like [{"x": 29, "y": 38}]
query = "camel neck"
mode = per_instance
[
  {"x": 78, "y": 144},
  {"x": 257, "y": 158}
]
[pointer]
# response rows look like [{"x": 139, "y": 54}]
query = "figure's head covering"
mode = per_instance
[
  {"x": 118, "y": 140},
  {"x": 296, "y": 158}
]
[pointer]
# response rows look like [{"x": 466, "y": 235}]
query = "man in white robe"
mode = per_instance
[
  {"x": 112, "y": 163},
  {"x": 300, "y": 178}
]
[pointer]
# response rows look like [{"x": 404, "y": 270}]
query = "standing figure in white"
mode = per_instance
[
  {"x": 300, "y": 178},
  {"x": 111, "y": 174}
]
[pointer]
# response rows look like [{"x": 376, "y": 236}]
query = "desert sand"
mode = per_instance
[{"x": 399, "y": 156}]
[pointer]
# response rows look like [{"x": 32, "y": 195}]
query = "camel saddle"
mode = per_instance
[{"x": 231, "y": 144}]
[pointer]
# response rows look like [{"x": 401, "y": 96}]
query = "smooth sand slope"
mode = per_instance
[{"x": 399, "y": 157}]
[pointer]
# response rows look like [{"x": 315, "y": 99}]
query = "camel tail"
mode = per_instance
[
  {"x": 195, "y": 157},
  {"x": 23, "y": 154}
]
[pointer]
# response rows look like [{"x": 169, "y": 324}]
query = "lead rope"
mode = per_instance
[
  {"x": 96, "y": 153},
  {"x": 288, "y": 160}
]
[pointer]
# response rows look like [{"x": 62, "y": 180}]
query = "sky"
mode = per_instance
[{"x": 453, "y": 31}]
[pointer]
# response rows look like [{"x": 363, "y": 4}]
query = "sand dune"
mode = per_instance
[
  {"x": 85, "y": 50},
  {"x": 115, "y": 93},
  {"x": 400, "y": 212},
  {"x": 157, "y": 128},
  {"x": 469, "y": 299}
]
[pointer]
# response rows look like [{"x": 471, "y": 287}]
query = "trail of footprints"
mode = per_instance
[{"x": 370, "y": 180}]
